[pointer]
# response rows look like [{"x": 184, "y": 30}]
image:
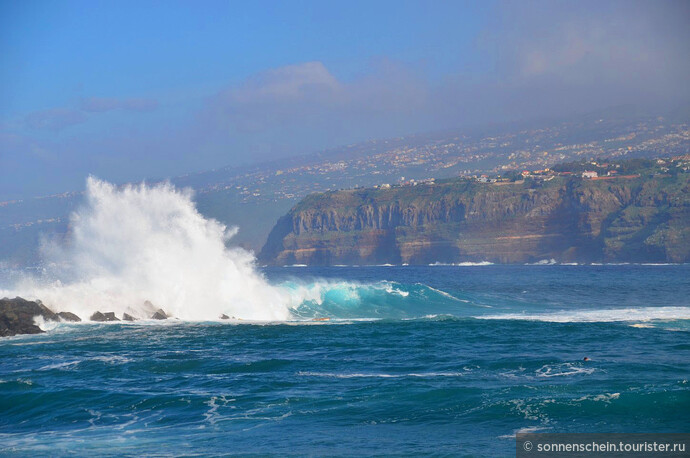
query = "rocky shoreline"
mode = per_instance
[{"x": 18, "y": 316}]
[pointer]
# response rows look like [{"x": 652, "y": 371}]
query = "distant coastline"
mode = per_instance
[{"x": 583, "y": 212}]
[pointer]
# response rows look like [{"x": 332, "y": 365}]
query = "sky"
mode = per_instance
[{"x": 128, "y": 90}]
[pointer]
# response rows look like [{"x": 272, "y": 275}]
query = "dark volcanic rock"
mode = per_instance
[
  {"x": 160, "y": 315},
  {"x": 128, "y": 317},
  {"x": 17, "y": 316},
  {"x": 107, "y": 316},
  {"x": 224, "y": 317},
  {"x": 68, "y": 316},
  {"x": 110, "y": 316}
]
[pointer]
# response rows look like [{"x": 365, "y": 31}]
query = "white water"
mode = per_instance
[
  {"x": 148, "y": 243},
  {"x": 600, "y": 315}
]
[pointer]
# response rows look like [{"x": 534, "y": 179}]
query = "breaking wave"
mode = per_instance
[{"x": 136, "y": 248}]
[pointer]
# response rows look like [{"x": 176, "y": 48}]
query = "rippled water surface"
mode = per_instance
[{"x": 412, "y": 360}]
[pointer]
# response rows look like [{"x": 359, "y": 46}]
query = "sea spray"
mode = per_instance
[
  {"x": 138, "y": 243},
  {"x": 137, "y": 248}
]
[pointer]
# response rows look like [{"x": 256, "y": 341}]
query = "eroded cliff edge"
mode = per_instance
[{"x": 569, "y": 219}]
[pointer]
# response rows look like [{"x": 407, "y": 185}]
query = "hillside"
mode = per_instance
[{"x": 640, "y": 217}]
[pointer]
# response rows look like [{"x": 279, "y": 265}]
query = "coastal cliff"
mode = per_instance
[{"x": 569, "y": 219}]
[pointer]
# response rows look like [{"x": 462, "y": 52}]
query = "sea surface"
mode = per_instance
[{"x": 450, "y": 360}]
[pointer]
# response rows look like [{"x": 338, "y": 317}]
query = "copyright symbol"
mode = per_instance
[{"x": 527, "y": 446}]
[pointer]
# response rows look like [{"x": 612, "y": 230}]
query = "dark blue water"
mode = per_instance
[{"x": 449, "y": 360}]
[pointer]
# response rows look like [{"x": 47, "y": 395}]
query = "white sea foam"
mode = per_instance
[
  {"x": 65, "y": 365},
  {"x": 528, "y": 429},
  {"x": 212, "y": 416},
  {"x": 19, "y": 380},
  {"x": 69, "y": 365},
  {"x": 444, "y": 294},
  {"x": 111, "y": 359},
  {"x": 658, "y": 264},
  {"x": 606, "y": 397},
  {"x": 390, "y": 289},
  {"x": 543, "y": 262},
  {"x": 563, "y": 370},
  {"x": 45, "y": 325},
  {"x": 379, "y": 374},
  {"x": 606, "y": 315}
]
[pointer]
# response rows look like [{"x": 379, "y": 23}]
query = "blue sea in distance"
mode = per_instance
[{"x": 447, "y": 360}]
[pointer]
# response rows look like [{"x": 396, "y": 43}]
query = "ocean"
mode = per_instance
[{"x": 401, "y": 360}]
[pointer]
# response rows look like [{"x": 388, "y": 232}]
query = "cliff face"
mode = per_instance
[{"x": 569, "y": 220}]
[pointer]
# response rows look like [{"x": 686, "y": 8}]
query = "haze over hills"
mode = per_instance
[{"x": 254, "y": 197}]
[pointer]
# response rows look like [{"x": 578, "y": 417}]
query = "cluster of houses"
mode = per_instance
[
  {"x": 595, "y": 171},
  {"x": 605, "y": 171},
  {"x": 410, "y": 182}
]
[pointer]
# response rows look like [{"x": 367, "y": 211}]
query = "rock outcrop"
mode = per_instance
[
  {"x": 17, "y": 316},
  {"x": 644, "y": 219},
  {"x": 69, "y": 316},
  {"x": 107, "y": 316},
  {"x": 159, "y": 315}
]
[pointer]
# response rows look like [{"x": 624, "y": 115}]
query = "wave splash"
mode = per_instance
[{"x": 136, "y": 248}]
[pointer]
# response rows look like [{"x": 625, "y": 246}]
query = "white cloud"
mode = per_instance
[
  {"x": 292, "y": 82},
  {"x": 308, "y": 95}
]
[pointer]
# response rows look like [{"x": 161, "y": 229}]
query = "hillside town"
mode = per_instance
[
  {"x": 593, "y": 170},
  {"x": 413, "y": 160}
]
